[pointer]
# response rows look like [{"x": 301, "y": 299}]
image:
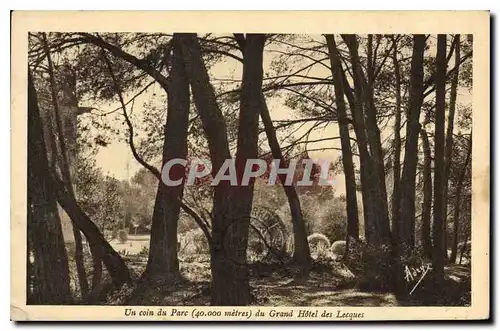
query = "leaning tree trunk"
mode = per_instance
[
  {"x": 64, "y": 166},
  {"x": 301, "y": 254},
  {"x": 50, "y": 265},
  {"x": 229, "y": 275},
  {"x": 427, "y": 199},
  {"x": 456, "y": 212},
  {"x": 439, "y": 179},
  {"x": 115, "y": 265},
  {"x": 350, "y": 181},
  {"x": 449, "y": 136},
  {"x": 163, "y": 247}
]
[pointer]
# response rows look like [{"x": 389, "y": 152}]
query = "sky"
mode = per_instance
[{"x": 117, "y": 160}]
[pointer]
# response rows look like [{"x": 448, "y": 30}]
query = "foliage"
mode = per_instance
[
  {"x": 319, "y": 245},
  {"x": 338, "y": 249},
  {"x": 193, "y": 242}
]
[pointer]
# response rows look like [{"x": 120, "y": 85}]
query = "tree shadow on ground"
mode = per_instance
[{"x": 275, "y": 286}]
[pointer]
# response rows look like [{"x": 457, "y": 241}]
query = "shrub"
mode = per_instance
[
  {"x": 338, "y": 249},
  {"x": 319, "y": 246},
  {"x": 193, "y": 242},
  {"x": 122, "y": 236},
  {"x": 377, "y": 270}
]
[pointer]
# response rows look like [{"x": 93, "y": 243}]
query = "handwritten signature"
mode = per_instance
[{"x": 412, "y": 273}]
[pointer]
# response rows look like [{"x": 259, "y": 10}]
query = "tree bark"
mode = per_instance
[
  {"x": 427, "y": 199},
  {"x": 439, "y": 179},
  {"x": 367, "y": 186},
  {"x": 64, "y": 166},
  {"x": 241, "y": 196},
  {"x": 456, "y": 212},
  {"x": 112, "y": 260},
  {"x": 50, "y": 269},
  {"x": 396, "y": 196},
  {"x": 449, "y": 137},
  {"x": 405, "y": 223},
  {"x": 163, "y": 247},
  {"x": 301, "y": 254},
  {"x": 347, "y": 163},
  {"x": 376, "y": 173},
  {"x": 230, "y": 284},
  {"x": 378, "y": 274}
]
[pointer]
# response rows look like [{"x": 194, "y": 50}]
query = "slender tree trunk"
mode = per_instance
[
  {"x": 163, "y": 247},
  {"x": 302, "y": 254},
  {"x": 350, "y": 182},
  {"x": 50, "y": 270},
  {"x": 406, "y": 233},
  {"x": 64, "y": 166},
  {"x": 449, "y": 137},
  {"x": 439, "y": 179},
  {"x": 396, "y": 196},
  {"x": 456, "y": 212},
  {"x": 427, "y": 199}
]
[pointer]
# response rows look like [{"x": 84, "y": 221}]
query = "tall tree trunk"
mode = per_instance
[
  {"x": 449, "y": 137},
  {"x": 396, "y": 196},
  {"x": 163, "y": 246},
  {"x": 242, "y": 195},
  {"x": 439, "y": 179},
  {"x": 64, "y": 166},
  {"x": 456, "y": 212},
  {"x": 404, "y": 224},
  {"x": 366, "y": 165},
  {"x": 377, "y": 228},
  {"x": 406, "y": 233},
  {"x": 364, "y": 91},
  {"x": 375, "y": 141},
  {"x": 350, "y": 181},
  {"x": 50, "y": 270},
  {"x": 364, "y": 157},
  {"x": 301, "y": 254},
  {"x": 230, "y": 284},
  {"x": 427, "y": 199}
]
